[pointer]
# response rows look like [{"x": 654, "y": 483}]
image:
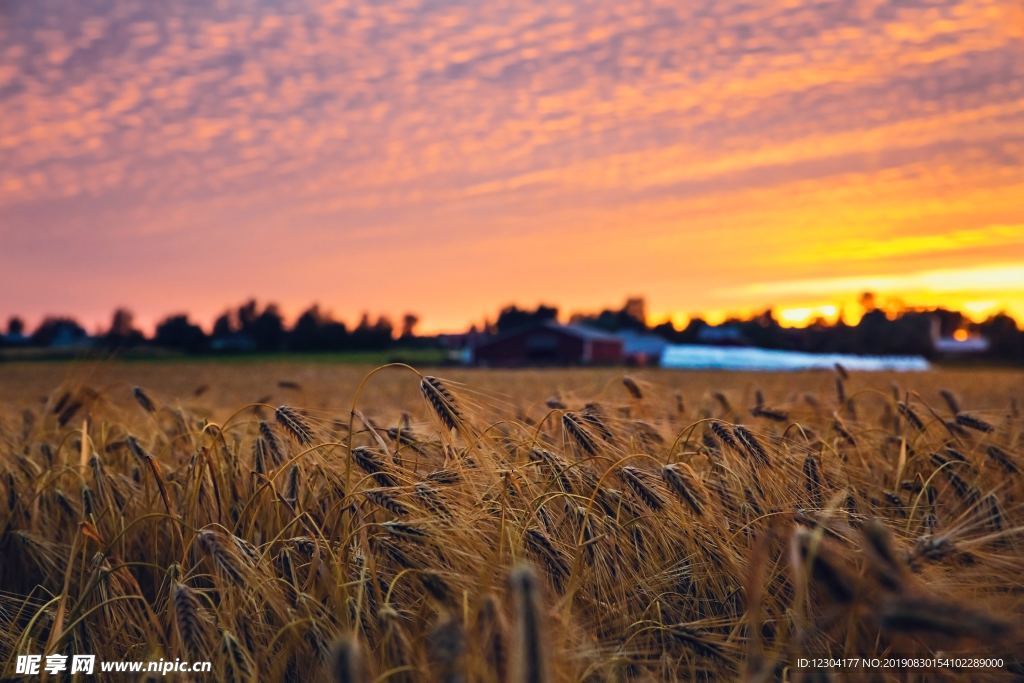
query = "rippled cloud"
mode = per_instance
[{"x": 575, "y": 151}]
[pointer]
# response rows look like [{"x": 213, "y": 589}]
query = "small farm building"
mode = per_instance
[{"x": 549, "y": 343}]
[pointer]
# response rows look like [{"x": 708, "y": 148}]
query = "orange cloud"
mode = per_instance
[{"x": 541, "y": 150}]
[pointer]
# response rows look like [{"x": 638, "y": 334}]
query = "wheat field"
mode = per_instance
[{"x": 306, "y": 522}]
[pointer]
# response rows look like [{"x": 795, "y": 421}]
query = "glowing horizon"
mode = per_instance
[{"x": 447, "y": 159}]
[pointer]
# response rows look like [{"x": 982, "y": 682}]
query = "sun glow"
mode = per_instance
[{"x": 802, "y": 316}]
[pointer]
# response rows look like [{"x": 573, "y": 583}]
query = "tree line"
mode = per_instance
[
  {"x": 881, "y": 330},
  {"x": 249, "y": 327}
]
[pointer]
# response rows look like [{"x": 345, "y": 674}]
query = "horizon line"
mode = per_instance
[{"x": 790, "y": 317}]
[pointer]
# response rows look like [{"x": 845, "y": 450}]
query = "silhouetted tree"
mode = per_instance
[
  {"x": 632, "y": 316},
  {"x": 314, "y": 330},
  {"x": 59, "y": 331},
  {"x": 363, "y": 333},
  {"x": 668, "y": 332},
  {"x": 514, "y": 318},
  {"x": 1006, "y": 340},
  {"x": 15, "y": 326},
  {"x": 764, "y": 330},
  {"x": 949, "y": 321},
  {"x": 224, "y": 325},
  {"x": 304, "y": 335},
  {"x": 267, "y": 329},
  {"x": 246, "y": 316},
  {"x": 409, "y": 322},
  {"x": 868, "y": 301},
  {"x": 177, "y": 332},
  {"x": 635, "y": 310},
  {"x": 122, "y": 332},
  {"x": 368, "y": 335},
  {"x": 691, "y": 333},
  {"x": 383, "y": 328}
]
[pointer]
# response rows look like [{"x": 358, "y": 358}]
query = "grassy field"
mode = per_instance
[
  {"x": 558, "y": 525},
  {"x": 425, "y": 356}
]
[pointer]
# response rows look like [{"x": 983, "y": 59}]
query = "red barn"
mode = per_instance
[{"x": 549, "y": 343}]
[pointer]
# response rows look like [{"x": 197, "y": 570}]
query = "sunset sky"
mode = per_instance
[{"x": 450, "y": 157}]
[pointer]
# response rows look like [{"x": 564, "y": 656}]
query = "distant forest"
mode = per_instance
[{"x": 252, "y": 327}]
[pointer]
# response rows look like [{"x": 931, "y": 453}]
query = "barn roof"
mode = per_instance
[
  {"x": 587, "y": 332},
  {"x": 579, "y": 331}
]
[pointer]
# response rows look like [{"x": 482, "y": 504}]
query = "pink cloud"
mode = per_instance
[{"x": 359, "y": 129}]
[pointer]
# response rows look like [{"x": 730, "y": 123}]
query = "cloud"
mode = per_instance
[
  {"x": 997, "y": 278},
  {"x": 808, "y": 132}
]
